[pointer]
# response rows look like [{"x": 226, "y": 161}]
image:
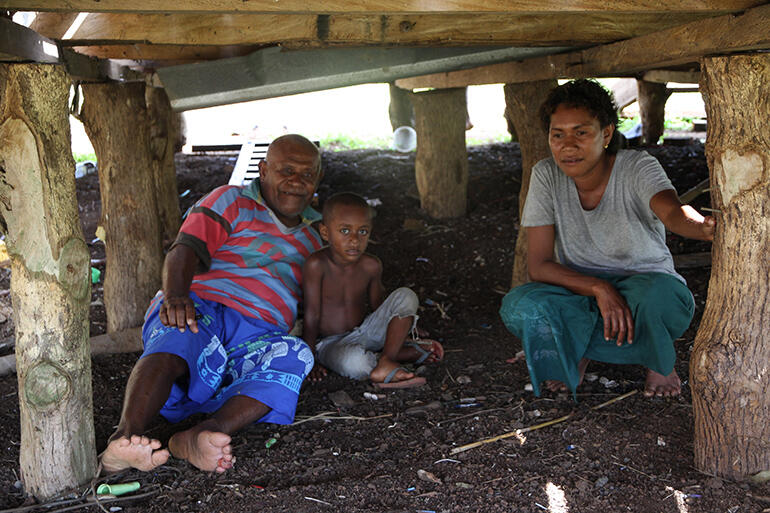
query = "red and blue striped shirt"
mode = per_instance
[{"x": 253, "y": 263}]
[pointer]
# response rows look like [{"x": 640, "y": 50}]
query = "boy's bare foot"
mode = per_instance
[
  {"x": 385, "y": 366},
  {"x": 137, "y": 452},
  {"x": 662, "y": 386},
  {"x": 206, "y": 450},
  {"x": 558, "y": 386},
  {"x": 421, "y": 351}
]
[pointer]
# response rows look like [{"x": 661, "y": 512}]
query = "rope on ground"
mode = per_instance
[{"x": 517, "y": 432}]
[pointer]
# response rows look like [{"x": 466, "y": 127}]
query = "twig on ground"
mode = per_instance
[
  {"x": 447, "y": 421},
  {"x": 537, "y": 426},
  {"x": 318, "y": 501},
  {"x": 330, "y": 415},
  {"x": 638, "y": 471}
]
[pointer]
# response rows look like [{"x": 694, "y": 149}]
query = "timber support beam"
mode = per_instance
[
  {"x": 50, "y": 279},
  {"x": 441, "y": 165},
  {"x": 728, "y": 365},
  {"x": 522, "y": 102}
]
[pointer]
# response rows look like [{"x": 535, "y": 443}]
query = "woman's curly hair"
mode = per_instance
[{"x": 587, "y": 94}]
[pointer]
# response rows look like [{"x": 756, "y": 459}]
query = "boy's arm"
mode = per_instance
[{"x": 376, "y": 288}]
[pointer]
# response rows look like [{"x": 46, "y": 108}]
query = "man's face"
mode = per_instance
[{"x": 288, "y": 178}]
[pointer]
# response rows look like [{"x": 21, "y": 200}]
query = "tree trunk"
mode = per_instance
[
  {"x": 441, "y": 165},
  {"x": 400, "y": 109},
  {"x": 522, "y": 103},
  {"x": 163, "y": 140},
  {"x": 50, "y": 279},
  {"x": 117, "y": 122},
  {"x": 728, "y": 366},
  {"x": 652, "y": 107}
]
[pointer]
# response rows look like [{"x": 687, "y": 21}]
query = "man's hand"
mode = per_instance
[
  {"x": 318, "y": 373},
  {"x": 178, "y": 312},
  {"x": 618, "y": 322}
]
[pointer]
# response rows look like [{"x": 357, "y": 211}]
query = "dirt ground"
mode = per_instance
[{"x": 395, "y": 453}]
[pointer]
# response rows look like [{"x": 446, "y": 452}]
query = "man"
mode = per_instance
[{"x": 216, "y": 337}]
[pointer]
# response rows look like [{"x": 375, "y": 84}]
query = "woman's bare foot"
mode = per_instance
[
  {"x": 662, "y": 386},
  {"x": 137, "y": 452},
  {"x": 558, "y": 386},
  {"x": 206, "y": 450},
  {"x": 383, "y": 369}
]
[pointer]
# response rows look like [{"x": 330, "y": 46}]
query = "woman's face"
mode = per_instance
[{"x": 577, "y": 141}]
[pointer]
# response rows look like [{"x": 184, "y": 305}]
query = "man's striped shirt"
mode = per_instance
[{"x": 253, "y": 263}]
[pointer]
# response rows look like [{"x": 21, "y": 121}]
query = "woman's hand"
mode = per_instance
[{"x": 618, "y": 322}]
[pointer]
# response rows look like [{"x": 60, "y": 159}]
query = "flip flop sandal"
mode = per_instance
[
  {"x": 424, "y": 355},
  {"x": 405, "y": 383}
]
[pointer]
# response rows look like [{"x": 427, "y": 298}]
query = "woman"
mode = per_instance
[{"x": 603, "y": 281}]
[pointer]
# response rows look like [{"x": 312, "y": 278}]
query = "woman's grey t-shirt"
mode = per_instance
[{"x": 621, "y": 235}]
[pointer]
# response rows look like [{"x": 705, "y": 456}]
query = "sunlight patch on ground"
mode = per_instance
[
  {"x": 679, "y": 497},
  {"x": 557, "y": 501}
]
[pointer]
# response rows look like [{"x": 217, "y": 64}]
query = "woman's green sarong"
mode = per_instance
[{"x": 558, "y": 327}]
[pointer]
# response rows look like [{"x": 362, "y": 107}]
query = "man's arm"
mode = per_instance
[
  {"x": 618, "y": 321},
  {"x": 179, "y": 268},
  {"x": 312, "y": 273},
  {"x": 312, "y": 276},
  {"x": 682, "y": 219}
]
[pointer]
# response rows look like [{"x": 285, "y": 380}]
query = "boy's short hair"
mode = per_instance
[{"x": 349, "y": 199}]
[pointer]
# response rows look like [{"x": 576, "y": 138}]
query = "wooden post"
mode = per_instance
[
  {"x": 441, "y": 165},
  {"x": 164, "y": 126},
  {"x": 117, "y": 122},
  {"x": 729, "y": 364},
  {"x": 522, "y": 103},
  {"x": 400, "y": 109},
  {"x": 652, "y": 107},
  {"x": 50, "y": 279}
]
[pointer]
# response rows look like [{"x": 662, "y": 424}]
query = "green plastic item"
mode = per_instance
[
  {"x": 118, "y": 488},
  {"x": 96, "y": 274}
]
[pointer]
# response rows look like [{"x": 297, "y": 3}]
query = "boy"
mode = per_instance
[{"x": 339, "y": 280}]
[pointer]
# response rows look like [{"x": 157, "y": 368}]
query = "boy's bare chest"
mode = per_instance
[{"x": 348, "y": 287}]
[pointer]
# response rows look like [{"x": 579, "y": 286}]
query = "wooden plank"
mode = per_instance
[
  {"x": 19, "y": 43},
  {"x": 560, "y": 29},
  {"x": 666, "y": 75},
  {"x": 379, "y": 6},
  {"x": 671, "y": 47},
  {"x": 53, "y": 25},
  {"x": 168, "y": 54}
]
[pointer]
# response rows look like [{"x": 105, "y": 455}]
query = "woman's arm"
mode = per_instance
[
  {"x": 618, "y": 322},
  {"x": 682, "y": 219}
]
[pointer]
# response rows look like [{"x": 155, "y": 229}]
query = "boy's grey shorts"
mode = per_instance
[{"x": 351, "y": 354}]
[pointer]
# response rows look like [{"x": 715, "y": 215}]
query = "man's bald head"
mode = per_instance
[{"x": 293, "y": 143}]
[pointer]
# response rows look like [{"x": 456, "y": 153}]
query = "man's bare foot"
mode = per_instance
[
  {"x": 206, "y": 450},
  {"x": 385, "y": 366},
  {"x": 662, "y": 386},
  {"x": 137, "y": 452},
  {"x": 558, "y": 386}
]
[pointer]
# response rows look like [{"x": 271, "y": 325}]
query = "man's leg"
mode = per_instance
[
  {"x": 207, "y": 445},
  {"x": 147, "y": 390}
]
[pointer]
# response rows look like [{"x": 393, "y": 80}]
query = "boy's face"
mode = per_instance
[{"x": 347, "y": 232}]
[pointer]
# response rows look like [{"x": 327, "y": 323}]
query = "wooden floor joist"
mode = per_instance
[{"x": 671, "y": 47}]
